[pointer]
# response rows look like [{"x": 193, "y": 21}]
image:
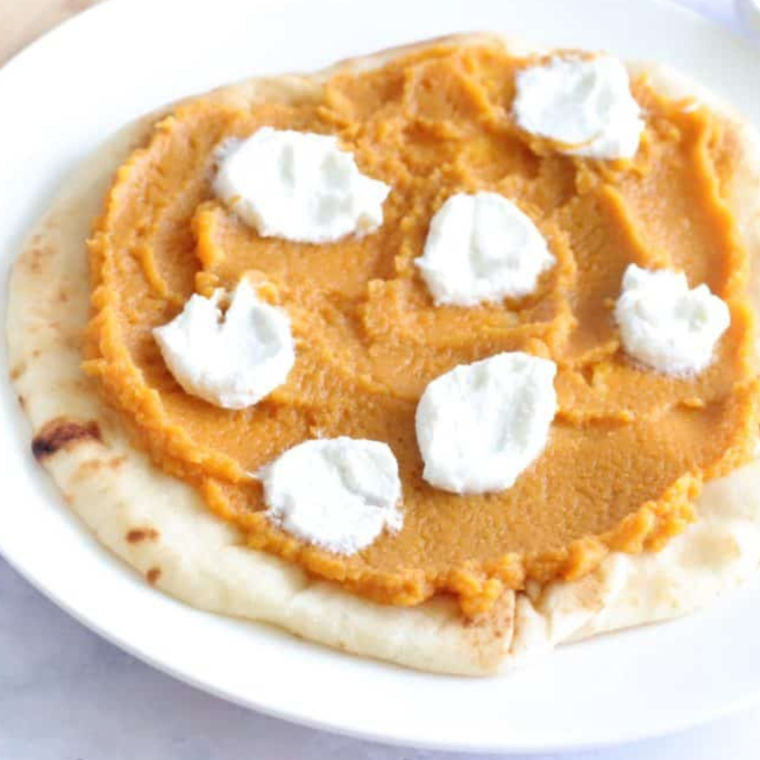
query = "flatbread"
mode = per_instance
[{"x": 161, "y": 527}]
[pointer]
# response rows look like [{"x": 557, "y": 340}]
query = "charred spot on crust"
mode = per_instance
[
  {"x": 141, "y": 534},
  {"x": 153, "y": 574},
  {"x": 60, "y": 433}
]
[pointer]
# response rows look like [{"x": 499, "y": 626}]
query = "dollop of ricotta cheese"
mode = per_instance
[
  {"x": 298, "y": 186},
  {"x": 480, "y": 248},
  {"x": 667, "y": 326},
  {"x": 231, "y": 360},
  {"x": 336, "y": 493},
  {"x": 583, "y": 103},
  {"x": 481, "y": 425}
]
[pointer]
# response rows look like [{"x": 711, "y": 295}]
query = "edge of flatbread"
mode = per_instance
[{"x": 161, "y": 527}]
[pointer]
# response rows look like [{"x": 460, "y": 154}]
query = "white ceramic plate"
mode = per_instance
[{"x": 64, "y": 95}]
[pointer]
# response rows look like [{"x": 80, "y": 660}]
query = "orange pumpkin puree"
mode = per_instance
[{"x": 629, "y": 448}]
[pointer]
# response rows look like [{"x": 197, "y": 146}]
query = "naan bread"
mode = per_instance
[{"x": 161, "y": 527}]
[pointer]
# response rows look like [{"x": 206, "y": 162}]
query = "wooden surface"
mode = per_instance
[{"x": 22, "y": 21}]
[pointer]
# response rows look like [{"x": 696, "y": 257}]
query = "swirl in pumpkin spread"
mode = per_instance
[{"x": 629, "y": 447}]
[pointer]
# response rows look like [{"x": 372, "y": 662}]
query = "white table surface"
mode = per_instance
[{"x": 65, "y": 694}]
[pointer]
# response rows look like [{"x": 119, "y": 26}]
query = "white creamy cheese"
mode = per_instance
[
  {"x": 480, "y": 425},
  {"x": 298, "y": 186},
  {"x": 586, "y": 104},
  {"x": 667, "y": 326},
  {"x": 480, "y": 248},
  {"x": 231, "y": 360},
  {"x": 337, "y": 493}
]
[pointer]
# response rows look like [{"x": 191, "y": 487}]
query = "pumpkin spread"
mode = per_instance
[{"x": 629, "y": 447}]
